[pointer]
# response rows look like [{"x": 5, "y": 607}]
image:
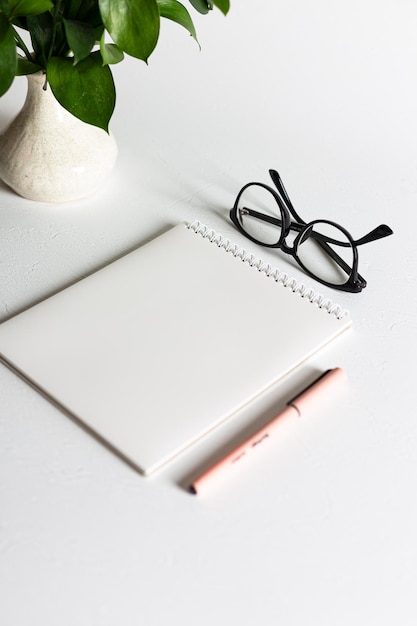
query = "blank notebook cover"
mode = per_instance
[{"x": 159, "y": 347}]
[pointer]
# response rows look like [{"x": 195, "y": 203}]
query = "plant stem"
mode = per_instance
[
  {"x": 57, "y": 17},
  {"x": 21, "y": 44}
]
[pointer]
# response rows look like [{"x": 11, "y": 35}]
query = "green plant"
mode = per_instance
[{"x": 75, "y": 41}]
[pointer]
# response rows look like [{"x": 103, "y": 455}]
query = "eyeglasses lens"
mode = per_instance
[
  {"x": 326, "y": 252},
  {"x": 259, "y": 214}
]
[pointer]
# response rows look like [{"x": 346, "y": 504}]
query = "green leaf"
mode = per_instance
[
  {"x": 25, "y": 67},
  {"x": 8, "y": 55},
  {"x": 4, "y": 7},
  {"x": 98, "y": 32},
  {"x": 223, "y": 5},
  {"x": 132, "y": 24},
  {"x": 86, "y": 90},
  {"x": 88, "y": 11},
  {"x": 29, "y": 7},
  {"x": 71, "y": 9},
  {"x": 80, "y": 37},
  {"x": 173, "y": 10},
  {"x": 41, "y": 28},
  {"x": 110, "y": 53},
  {"x": 202, "y": 6}
]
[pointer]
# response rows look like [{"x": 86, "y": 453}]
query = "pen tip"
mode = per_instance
[{"x": 192, "y": 490}]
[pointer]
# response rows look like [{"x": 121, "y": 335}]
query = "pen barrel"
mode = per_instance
[
  {"x": 300, "y": 405},
  {"x": 244, "y": 450},
  {"x": 319, "y": 393}
]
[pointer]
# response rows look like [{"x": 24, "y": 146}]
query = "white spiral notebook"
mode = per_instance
[{"x": 156, "y": 349}]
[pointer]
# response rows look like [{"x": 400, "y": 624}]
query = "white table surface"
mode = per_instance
[{"x": 321, "y": 529}]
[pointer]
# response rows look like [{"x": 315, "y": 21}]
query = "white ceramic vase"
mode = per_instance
[{"x": 48, "y": 155}]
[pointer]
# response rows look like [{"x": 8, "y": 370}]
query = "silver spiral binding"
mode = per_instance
[{"x": 270, "y": 271}]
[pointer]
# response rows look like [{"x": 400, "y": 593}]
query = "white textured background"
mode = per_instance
[{"x": 322, "y": 529}]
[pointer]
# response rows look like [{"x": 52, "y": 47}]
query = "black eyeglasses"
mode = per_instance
[{"x": 325, "y": 250}]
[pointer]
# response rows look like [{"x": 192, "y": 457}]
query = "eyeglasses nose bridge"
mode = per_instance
[{"x": 304, "y": 232}]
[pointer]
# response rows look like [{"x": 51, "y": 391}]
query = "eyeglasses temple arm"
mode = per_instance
[
  {"x": 276, "y": 179},
  {"x": 260, "y": 216},
  {"x": 377, "y": 233},
  {"x": 333, "y": 254},
  {"x": 268, "y": 218}
]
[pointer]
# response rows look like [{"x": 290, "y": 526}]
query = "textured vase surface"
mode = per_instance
[{"x": 48, "y": 155}]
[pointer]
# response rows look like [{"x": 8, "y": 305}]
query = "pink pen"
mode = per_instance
[{"x": 297, "y": 407}]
